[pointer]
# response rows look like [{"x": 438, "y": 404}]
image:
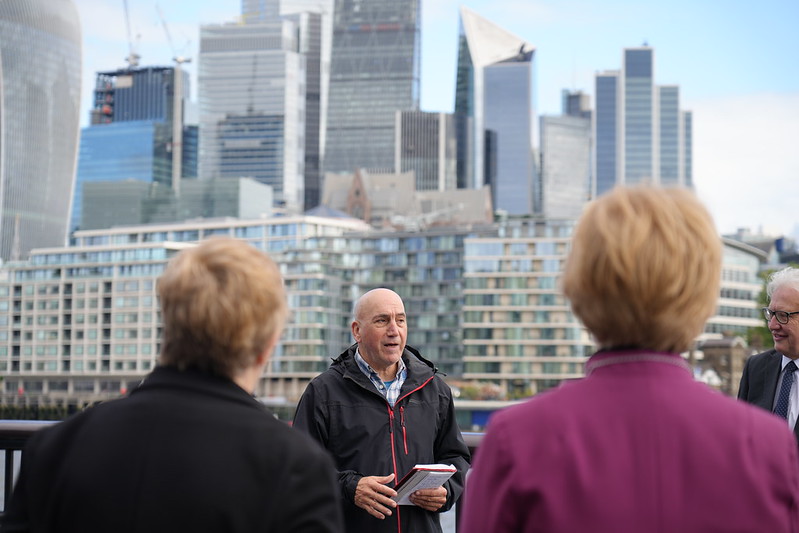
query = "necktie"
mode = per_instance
[{"x": 785, "y": 390}]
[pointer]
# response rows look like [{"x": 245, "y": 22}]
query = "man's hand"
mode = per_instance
[
  {"x": 429, "y": 499},
  {"x": 374, "y": 496}
]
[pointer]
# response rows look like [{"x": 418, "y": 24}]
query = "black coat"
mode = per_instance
[
  {"x": 344, "y": 412},
  {"x": 184, "y": 452}
]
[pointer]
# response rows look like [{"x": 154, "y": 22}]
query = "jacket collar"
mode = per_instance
[
  {"x": 419, "y": 368},
  {"x": 619, "y": 356},
  {"x": 195, "y": 382}
]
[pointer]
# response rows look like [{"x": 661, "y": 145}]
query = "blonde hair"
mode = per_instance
[
  {"x": 645, "y": 268},
  {"x": 222, "y": 302}
]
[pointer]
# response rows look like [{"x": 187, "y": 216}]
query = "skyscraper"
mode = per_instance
[
  {"x": 40, "y": 72},
  {"x": 374, "y": 73},
  {"x": 495, "y": 90},
  {"x": 566, "y": 158},
  {"x": 132, "y": 133},
  {"x": 426, "y": 143},
  {"x": 641, "y": 133},
  {"x": 314, "y": 19},
  {"x": 252, "y": 105}
]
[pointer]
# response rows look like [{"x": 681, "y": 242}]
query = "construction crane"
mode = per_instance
[
  {"x": 177, "y": 108},
  {"x": 133, "y": 57},
  {"x": 178, "y": 59}
]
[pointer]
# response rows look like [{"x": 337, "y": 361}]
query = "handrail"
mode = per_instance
[{"x": 14, "y": 434}]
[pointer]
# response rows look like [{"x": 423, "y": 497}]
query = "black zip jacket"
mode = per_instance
[{"x": 367, "y": 437}]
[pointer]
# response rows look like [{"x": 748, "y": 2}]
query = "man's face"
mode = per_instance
[
  {"x": 786, "y": 336},
  {"x": 380, "y": 328}
]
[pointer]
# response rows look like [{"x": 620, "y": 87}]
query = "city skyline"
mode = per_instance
[{"x": 732, "y": 75}]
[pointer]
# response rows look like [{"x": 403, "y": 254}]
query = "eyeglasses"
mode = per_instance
[{"x": 781, "y": 316}]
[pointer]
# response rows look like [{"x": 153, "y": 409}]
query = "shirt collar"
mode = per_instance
[
  {"x": 368, "y": 370},
  {"x": 785, "y": 361}
]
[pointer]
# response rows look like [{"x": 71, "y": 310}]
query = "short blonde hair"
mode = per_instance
[
  {"x": 645, "y": 268},
  {"x": 222, "y": 302}
]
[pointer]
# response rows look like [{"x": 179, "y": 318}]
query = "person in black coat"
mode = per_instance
[
  {"x": 380, "y": 409},
  {"x": 190, "y": 449}
]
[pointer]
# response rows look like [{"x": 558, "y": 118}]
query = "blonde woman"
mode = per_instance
[{"x": 637, "y": 445}]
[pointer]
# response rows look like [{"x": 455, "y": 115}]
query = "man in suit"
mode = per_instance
[
  {"x": 190, "y": 449},
  {"x": 769, "y": 378}
]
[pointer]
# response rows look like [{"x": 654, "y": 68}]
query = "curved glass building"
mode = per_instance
[{"x": 40, "y": 73}]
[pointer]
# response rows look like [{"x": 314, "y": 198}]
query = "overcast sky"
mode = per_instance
[{"x": 735, "y": 63}]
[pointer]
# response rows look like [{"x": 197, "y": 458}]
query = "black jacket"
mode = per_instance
[
  {"x": 185, "y": 451},
  {"x": 344, "y": 412}
]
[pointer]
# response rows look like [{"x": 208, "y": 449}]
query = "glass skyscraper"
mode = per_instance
[
  {"x": 495, "y": 90},
  {"x": 428, "y": 146},
  {"x": 252, "y": 106},
  {"x": 374, "y": 73},
  {"x": 565, "y": 165},
  {"x": 606, "y": 131},
  {"x": 639, "y": 115},
  {"x": 40, "y": 72},
  {"x": 641, "y": 134},
  {"x": 131, "y": 136},
  {"x": 314, "y": 26}
]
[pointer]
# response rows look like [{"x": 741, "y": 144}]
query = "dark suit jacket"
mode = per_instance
[
  {"x": 184, "y": 452},
  {"x": 759, "y": 381}
]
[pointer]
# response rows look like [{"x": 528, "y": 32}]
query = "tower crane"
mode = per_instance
[
  {"x": 177, "y": 108},
  {"x": 133, "y": 57}
]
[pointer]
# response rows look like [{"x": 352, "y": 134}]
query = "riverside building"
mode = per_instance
[{"x": 81, "y": 323}]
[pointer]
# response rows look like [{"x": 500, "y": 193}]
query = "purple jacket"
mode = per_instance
[{"x": 636, "y": 446}]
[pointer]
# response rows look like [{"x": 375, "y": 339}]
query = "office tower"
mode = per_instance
[
  {"x": 638, "y": 119},
  {"x": 311, "y": 46},
  {"x": 252, "y": 106},
  {"x": 641, "y": 134},
  {"x": 426, "y": 143},
  {"x": 606, "y": 131},
  {"x": 137, "y": 132},
  {"x": 687, "y": 147},
  {"x": 495, "y": 90},
  {"x": 566, "y": 158},
  {"x": 40, "y": 72},
  {"x": 315, "y": 27},
  {"x": 374, "y": 73},
  {"x": 575, "y": 104},
  {"x": 316, "y": 44}
]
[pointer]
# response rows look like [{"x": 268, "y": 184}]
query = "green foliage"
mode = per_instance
[
  {"x": 759, "y": 338},
  {"x": 481, "y": 391},
  {"x": 36, "y": 412}
]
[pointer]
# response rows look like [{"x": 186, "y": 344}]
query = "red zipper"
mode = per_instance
[
  {"x": 404, "y": 439},
  {"x": 394, "y": 459},
  {"x": 402, "y": 423}
]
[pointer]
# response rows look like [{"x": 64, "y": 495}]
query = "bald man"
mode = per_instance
[{"x": 380, "y": 409}]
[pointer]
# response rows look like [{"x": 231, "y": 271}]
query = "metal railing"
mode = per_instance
[{"x": 14, "y": 434}]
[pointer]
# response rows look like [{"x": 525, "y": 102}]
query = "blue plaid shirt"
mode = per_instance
[{"x": 391, "y": 393}]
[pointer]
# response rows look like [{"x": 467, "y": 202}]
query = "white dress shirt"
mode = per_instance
[{"x": 793, "y": 398}]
